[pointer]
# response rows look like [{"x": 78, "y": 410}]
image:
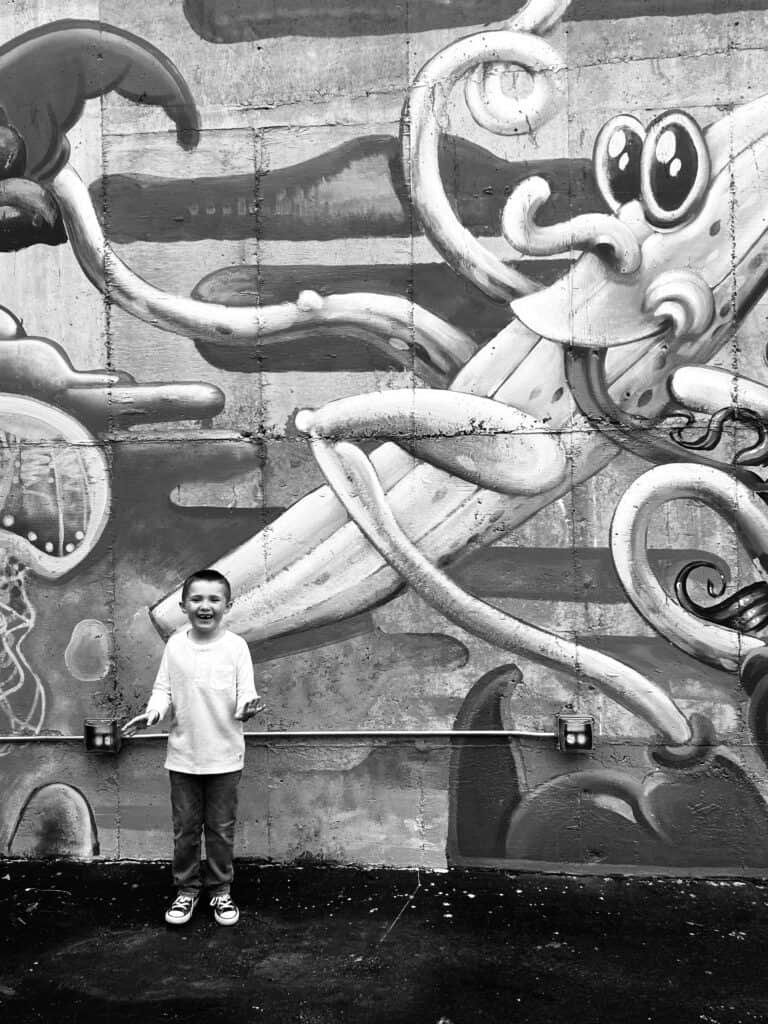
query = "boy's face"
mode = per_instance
[{"x": 205, "y": 605}]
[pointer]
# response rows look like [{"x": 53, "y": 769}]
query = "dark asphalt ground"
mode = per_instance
[{"x": 325, "y": 945}]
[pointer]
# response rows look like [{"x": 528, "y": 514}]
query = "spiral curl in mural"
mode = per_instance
[
  {"x": 745, "y": 611},
  {"x": 717, "y": 641}
]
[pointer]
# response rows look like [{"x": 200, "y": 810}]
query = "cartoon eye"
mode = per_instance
[
  {"x": 616, "y": 159},
  {"x": 674, "y": 168}
]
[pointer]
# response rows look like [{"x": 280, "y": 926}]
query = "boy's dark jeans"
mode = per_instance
[{"x": 203, "y": 803}]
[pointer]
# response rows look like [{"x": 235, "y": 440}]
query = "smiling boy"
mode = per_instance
[{"x": 206, "y": 680}]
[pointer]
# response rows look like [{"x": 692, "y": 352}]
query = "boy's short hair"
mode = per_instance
[{"x": 206, "y": 576}]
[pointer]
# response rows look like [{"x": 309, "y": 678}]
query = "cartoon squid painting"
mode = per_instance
[{"x": 615, "y": 339}]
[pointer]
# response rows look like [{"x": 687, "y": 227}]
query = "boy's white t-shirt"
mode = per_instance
[{"x": 204, "y": 686}]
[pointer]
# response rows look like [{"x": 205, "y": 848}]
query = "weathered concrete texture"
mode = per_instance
[
  {"x": 324, "y": 945},
  {"x": 173, "y": 452}
]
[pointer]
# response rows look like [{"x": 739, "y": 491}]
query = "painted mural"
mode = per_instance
[{"x": 439, "y": 329}]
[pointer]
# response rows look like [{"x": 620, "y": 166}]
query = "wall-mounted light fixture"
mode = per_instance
[
  {"x": 574, "y": 733},
  {"x": 102, "y": 735}
]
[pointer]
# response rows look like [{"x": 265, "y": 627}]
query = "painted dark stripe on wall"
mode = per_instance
[
  {"x": 432, "y": 285},
  {"x": 312, "y": 639},
  {"x": 564, "y": 574},
  {"x": 599, "y": 10},
  {"x": 665, "y": 664},
  {"x": 355, "y": 190},
  {"x": 240, "y": 21},
  {"x": 432, "y": 652}
]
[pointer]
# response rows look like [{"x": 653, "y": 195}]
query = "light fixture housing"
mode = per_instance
[
  {"x": 102, "y": 736},
  {"x": 574, "y": 734}
]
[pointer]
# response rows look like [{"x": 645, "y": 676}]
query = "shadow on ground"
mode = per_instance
[{"x": 324, "y": 945}]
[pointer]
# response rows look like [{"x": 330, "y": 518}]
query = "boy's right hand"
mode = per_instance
[{"x": 140, "y": 722}]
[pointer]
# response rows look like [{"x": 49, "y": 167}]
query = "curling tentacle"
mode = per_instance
[
  {"x": 421, "y": 341},
  {"x": 427, "y": 111},
  {"x": 587, "y": 231},
  {"x": 746, "y": 610},
  {"x": 491, "y": 444},
  {"x": 353, "y": 478},
  {"x": 738, "y": 505},
  {"x": 490, "y": 105},
  {"x": 538, "y": 16},
  {"x": 585, "y": 371},
  {"x": 726, "y": 397}
]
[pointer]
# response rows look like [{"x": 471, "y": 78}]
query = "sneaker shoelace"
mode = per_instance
[
  {"x": 182, "y": 903},
  {"x": 223, "y": 903}
]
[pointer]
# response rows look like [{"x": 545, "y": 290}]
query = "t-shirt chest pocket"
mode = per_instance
[
  {"x": 222, "y": 677},
  {"x": 211, "y": 672}
]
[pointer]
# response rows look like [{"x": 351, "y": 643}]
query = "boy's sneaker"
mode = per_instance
[
  {"x": 224, "y": 910},
  {"x": 182, "y": 908}
]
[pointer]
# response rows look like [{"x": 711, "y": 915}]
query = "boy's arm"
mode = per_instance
[
  {"x": 246, "y": 688},
  {"x": 160, "y": 698},
  {"x": 158, "y": 703}
]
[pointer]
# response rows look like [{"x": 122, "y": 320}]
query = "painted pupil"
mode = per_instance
[
  {"x": 623, "y": 164},
  {"x": 674, "y": 168}
]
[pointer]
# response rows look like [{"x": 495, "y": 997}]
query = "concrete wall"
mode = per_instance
[{"x": 142, "y": 438}]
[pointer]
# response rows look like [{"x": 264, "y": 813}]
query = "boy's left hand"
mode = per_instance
[{"x": 249, "y": 709}]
